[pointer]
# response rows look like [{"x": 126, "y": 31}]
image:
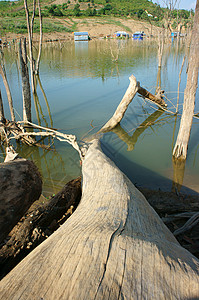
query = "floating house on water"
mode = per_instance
[
  {"x": 81, "y": 36},
  {"x": 122, "y": 34},
  {"x": 138, "y": 35},
  {"x": 175, "y": 34}
]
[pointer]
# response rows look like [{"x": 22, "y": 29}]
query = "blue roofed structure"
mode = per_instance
[{"x": 81, "y": 36}]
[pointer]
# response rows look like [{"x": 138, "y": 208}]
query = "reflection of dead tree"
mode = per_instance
[
  {"x": 45, "y": 98},
  {"x": 118, "y": 49},
  {"x": 5, "y": 81},
  {"x": 132, "y": 140},
  {"x": 178, "y": 174}
]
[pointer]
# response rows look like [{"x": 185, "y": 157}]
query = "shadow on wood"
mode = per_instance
[
  {"x": 41, "y": 220},
  {"x": 114, "y": 246},
  {"x": 21, "y": 185}
]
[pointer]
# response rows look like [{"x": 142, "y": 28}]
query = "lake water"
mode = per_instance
[{"x": 81, "y": 84}]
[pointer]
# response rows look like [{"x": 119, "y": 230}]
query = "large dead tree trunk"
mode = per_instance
[
  {"x": 180, "y": 149},
  {"x": 20, "y": 186},
  {"x": 114, "y": 246}
]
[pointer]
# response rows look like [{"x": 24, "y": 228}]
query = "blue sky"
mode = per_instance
[{"x": 182, "y": 4}]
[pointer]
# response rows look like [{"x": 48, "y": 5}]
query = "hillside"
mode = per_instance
[{"x": 98, "y": 17}]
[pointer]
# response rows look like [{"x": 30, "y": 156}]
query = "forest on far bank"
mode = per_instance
[{"x": 12, "y": 14}]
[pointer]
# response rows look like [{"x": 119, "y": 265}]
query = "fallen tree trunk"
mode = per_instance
[
  {"x": 46, "y": 216},
  {"x": 20, "y": 186},
  {"x": 114, "y": 246},
  {"x": 40, "y": 221}
]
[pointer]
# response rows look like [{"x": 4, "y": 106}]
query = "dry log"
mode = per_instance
[
  {"x": 114, "y": 246},
  {"x": 170, "y": 202},
  {"x": 122, "y": 107},
  {"x": 146, "y": 94},
  {"x": 133, "y": 88},
  {"x": 40, "y": 221},
  {"x": 21, "y": 185}
]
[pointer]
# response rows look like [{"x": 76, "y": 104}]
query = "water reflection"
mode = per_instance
[
  {"x": 131, "y": 140},
  {"x": 86, "y": 82},
  {"x": 178, "y": 174}
]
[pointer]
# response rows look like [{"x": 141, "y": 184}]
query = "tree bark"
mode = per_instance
[
  {"x": 21, "y": 185},
  {"x": 114, "y": 246},
  {"x": 30, "y": 37},
  {"x": 40, "y": 40},
  {"x": 146, "y": 94},
  {"x": 180, "y": 149},
  {"x": 25, "y": 83}
]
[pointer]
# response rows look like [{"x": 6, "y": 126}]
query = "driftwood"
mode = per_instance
[
  {"x": 114, "y": 246},
  {"x": 156, "y": 99},
  {"x": 41, "y": 220},
  {"x": 133, "y": 88},
  {"x": 21, "y": 185}
]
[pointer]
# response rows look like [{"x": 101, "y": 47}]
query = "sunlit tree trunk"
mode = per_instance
[{"x": 180, "y": 149}]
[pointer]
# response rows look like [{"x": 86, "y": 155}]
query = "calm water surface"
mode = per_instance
[{"x": 81, "y": 85}]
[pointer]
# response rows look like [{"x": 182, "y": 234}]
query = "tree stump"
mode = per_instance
[{"x": 114, "y": 246}]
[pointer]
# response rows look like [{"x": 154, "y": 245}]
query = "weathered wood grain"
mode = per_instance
[{"x": 114, "y": 246}]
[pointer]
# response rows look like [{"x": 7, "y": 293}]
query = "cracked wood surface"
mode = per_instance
[{"x": 114, "y": 246}]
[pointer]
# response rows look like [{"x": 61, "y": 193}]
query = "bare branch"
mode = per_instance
[{"x": 122, "y": 107}]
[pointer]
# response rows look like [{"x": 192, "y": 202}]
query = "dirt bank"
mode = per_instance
[{"x": 96, "y": 27}]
